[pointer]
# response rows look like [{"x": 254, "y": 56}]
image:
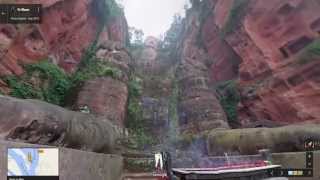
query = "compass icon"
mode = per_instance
[{"x": 309, "y": 144}]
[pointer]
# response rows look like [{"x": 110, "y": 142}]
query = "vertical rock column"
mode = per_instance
[
  {"x": 107, "y": 96},
  {"x": 199, "y": 109}
]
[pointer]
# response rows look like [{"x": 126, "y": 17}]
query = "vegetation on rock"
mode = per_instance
[
  {"x": 136, "y": 43},
  {"x": 93, "y": 67},
  {"x": 170, "y": 39},
  {"x": 44, "y": 81},
  {"x": 48, "y": 82},
  {"x": 310, "y": 53},
  {"x": 229, "y": 98},
  {"x": 173, "y": 112},
  {"x": 135, "y": 122}
]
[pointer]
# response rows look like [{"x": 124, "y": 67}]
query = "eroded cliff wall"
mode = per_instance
[
  {"x": 274, "y": 47},
  {"x": 68, "y": 27}
]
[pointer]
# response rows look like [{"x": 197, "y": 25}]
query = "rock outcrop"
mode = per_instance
[
  {"x": 199, "y": 108},
  {"x": 37, "y": 122},
  {"x": 224, "y": 64},
  {"x": 271, "y": 41},
  {"x": 107, "y": 96},
  {"x": 156, "y": 70},
  {"x": 275, "y": 85},
  {"x": 67, "y": 29},
  {"x": 109, "y": 99}
]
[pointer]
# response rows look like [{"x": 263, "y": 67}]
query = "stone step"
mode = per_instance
[{"x": 73, "y": 164}]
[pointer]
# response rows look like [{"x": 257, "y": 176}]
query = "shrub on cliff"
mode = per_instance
[
  {"x": 91, "y": 67},
  {"x": 135, "y": 122},
  {"x": 171, "y": 37},
  {"x": 310, "y": 53},
  {"x": 136, "y": 40},
  {"x": 44, "y": 81},
  {"x": 48, "y": 82},
  {"x": 95, "y": 68},
  {"x": 229, "y": 98}
]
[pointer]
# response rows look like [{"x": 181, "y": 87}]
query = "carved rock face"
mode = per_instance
[
  {"x": 105, "y": 97},
  {"x": 250, "y": 141},
  {"x": 199, "y": 108},
  {"x": 37, "y": 122},
  {"x": 269, "y": 40}
]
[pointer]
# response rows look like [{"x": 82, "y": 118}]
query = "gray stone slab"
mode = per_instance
[{"x": 74, "y": 164}]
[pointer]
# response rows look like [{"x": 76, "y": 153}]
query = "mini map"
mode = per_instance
[{"x": 33, "y": 162}]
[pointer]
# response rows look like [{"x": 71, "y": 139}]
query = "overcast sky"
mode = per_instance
[{"x": 152, "y": 16}]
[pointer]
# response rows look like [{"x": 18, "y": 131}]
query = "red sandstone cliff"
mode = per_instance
[
  {"x": 199, "y": 108},
  {"x": 68, "y": 28},
  {"x": 259, "y": 43},
  {"x": 270, "y": 39}
]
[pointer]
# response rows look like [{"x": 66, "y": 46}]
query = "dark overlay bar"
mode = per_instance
[
  {"x": 291, "y": 173},
  {"x": 33, "y": 178},
  {"x": 309, "y": 160},
  {"x": 20, "y": 13}
]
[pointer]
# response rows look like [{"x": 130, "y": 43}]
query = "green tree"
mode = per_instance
[
  {"x": 136, "y": 35},
  {"x": 172, "y": 35}
]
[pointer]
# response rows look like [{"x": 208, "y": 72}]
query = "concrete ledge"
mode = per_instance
[{"x": 74, "y": 164}]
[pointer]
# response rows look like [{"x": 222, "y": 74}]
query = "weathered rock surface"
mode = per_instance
[
  {"x": 156, "y": 115},
  {"x": 107, "y": 96},
  {"x": 267, "y": 38},
  {"x": 156, "y": 70},
  {"x": 68, "y": 28},
  {"x": 147, "y": 61},
  {"x": 248, "y": 141},
  {"x": 224, "y": 64},
  {"x": 199, "y": 109},
  {"x": 73, "y": 164},
  {"x": 116, "y": 56},
  {"x": 289, "y": 92},
  {"x": 37, "y": 122}
]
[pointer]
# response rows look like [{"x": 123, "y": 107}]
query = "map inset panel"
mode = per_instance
[{"x": 33, "y": 162}]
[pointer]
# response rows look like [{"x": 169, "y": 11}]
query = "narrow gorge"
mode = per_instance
[{"x": 235, "y": 76}]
